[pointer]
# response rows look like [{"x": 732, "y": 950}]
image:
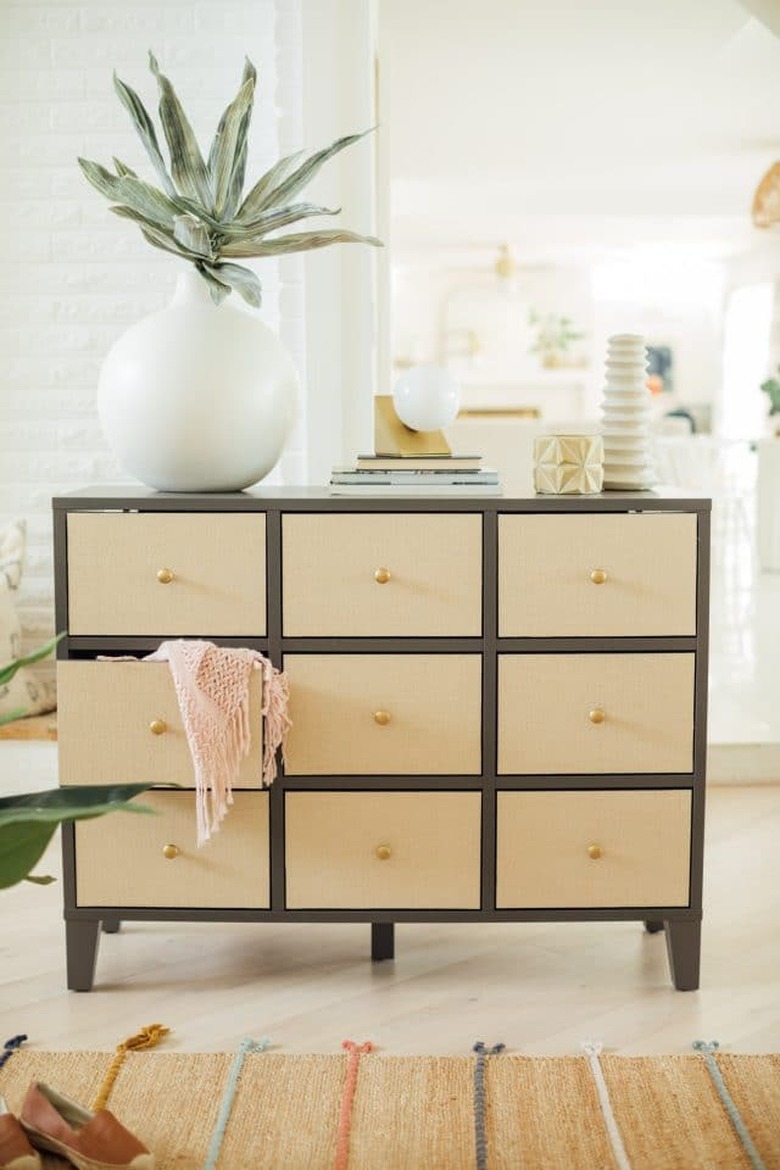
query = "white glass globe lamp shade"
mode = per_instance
[{"x": 426, "y": 398}]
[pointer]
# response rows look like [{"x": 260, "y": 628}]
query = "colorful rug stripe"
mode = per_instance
[
  {"x": 10, "y": 1047},
  {"x": 592, "y": 1050},
  {"x": 707, "y": 1049},
  {"x": 347, "y": 1099},
  {"x": 247, "y": 1045},
  {"x": 480, "y": 1131}
]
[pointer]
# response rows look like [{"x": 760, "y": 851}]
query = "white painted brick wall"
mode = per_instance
[{"x": 73, "y": 276}]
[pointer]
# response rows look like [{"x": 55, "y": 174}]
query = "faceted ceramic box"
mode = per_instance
[{"x": 568, "y": 464}]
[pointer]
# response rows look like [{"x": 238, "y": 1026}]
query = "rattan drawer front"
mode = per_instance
[
  {"x": 217, "y": 562},
  {"x": 595, "y": 713},
  {"x": 546, "y": 589},
  {"x": 587, "y": 849},
  {"x": 383, "y": 850},
  {"x": 384, "y": 714},
  {"x": 432, "y": 564},
  {"x": 120, "y": 859},
  {"x": 119, "y": 723}
]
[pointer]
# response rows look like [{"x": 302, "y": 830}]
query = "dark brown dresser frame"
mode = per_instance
[{"x": 681, "y": 924}]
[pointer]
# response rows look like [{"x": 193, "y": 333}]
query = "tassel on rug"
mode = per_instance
[
  {"x": 708, "y": 1049},
  {"x": 592, "y": 1050},
  {"x": 347, "y": 1098},
  {"x": 480, "y": 1132},
  {"x": 149, "y": 1037},
  {"x": 10, "y": 1047},
  {"x": 246, "y": 1046}
]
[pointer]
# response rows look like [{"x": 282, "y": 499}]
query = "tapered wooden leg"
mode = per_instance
[
  {"x": 81, "y": 942},
  {"x": 110, "y": 925},
  {"x": 382, "y": 941},
  {"x": 683, "y": 945}
]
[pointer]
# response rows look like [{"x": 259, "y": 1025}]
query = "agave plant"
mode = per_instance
[{"x": 199, "y": 214}]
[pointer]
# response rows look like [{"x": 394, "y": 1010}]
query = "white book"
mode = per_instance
[
  {"x": 453, "y": 462},
  {"x": 420, "y": 489},
  {"x": 415, "y": 478}
]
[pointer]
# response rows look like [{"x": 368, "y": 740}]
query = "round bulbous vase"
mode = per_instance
[{"x": 198, "y": 397}]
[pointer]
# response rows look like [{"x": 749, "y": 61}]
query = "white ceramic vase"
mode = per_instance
[
  {"x": 198, "y": 396},
  {"x": 626, "y": 415}
]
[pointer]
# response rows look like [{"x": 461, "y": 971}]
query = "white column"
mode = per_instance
[{"x": 338, "y": 99}]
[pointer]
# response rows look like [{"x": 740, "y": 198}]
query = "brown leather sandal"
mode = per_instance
[{"x": 90, "y": 1141}]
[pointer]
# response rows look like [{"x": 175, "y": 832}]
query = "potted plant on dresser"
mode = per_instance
[{"x": 201, "y": 396}]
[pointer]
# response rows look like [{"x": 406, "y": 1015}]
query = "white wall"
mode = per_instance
[{"x": 73, "y": 276}]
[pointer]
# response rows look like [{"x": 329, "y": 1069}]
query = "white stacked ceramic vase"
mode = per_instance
[{"x": 626, "y": 415}]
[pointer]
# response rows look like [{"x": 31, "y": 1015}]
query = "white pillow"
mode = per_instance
[{"x": 26, "y": 693}]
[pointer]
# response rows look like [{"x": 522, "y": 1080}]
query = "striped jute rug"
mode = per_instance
[{"x": 360, "y": 1110}]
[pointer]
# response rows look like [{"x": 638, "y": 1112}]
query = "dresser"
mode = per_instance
[{"x": 498, "y": 709}]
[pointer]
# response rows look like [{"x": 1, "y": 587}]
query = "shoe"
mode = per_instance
[
  {"x": 16, "y": 1153},
  {"x": 90, "y": 1141}
]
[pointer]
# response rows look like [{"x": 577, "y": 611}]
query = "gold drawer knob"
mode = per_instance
[
  {"x": 598, "y": 576},
  {"x": 597, "y": 715},
  {"x": 383, "y": 852},
  {"x": 382, "y": 718},
  {"x": 165, "y": 576},
  {"x": 158, "y": 727},
  {"x": 594, "y": 852},
  {"x": 382, "y": 576},
  {"x": 170, "y": 851}
]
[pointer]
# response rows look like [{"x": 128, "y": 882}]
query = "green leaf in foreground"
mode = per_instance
[{"x": 28, "y": 822}]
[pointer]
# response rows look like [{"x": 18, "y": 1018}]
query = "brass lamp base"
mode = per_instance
[{"x": 394, "y": 438}]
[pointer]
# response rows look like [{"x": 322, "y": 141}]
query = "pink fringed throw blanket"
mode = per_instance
[{"x": 212, "y": 687}]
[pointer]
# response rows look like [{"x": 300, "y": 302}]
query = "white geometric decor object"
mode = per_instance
[
  {"x": 626, "y": 414},
  {"x": 198, "y": 396},
  {"x": 568, "y": 465}
]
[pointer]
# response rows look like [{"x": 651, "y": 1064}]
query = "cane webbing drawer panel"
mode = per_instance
[
  {"x": 394, "y": 850},
  {"x": 593, "y": 848}
]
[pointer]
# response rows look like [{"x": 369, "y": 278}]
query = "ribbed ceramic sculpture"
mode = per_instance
[{"x": 626, "y": 414}]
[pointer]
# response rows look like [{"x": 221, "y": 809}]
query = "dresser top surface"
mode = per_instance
[{"x": 130, "y": 497}]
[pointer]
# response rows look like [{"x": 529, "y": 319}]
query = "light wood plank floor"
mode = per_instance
[{"x": 540, "y": 988}]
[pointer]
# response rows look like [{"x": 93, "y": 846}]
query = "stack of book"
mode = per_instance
[{"x": 416, "y": 475}]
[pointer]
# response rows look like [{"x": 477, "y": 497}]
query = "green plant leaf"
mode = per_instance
[
  {"x": 158, "y": 239},
  {"x": 123, "y": 169},
  {"x": 10, "y": 716},
  {"x": 227, "y": 158},
  {"x": 285, "y": 190},
  {"x": 27, "y": 822},
  {"x": 192, "y": 234},
  {"x": 267, "y": 182},
  {"x": 298, "y": 242},
  {"x": 8, "y": 671},
  {"x": 21, "y": 847},
  {"x": 245, "y": 282},
  {"x": 146, "y": 132},
  {"x": 189, "y": 171},
  {"x": 272, "y": 220},
  {"x": 135, "y": 193},
  {"x": 217, "y": 288}
]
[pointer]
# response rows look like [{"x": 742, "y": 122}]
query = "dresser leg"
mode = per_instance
[
  {"x": 81, "y": 941},
  {"x": 653, "y": 925},
  {"x": 683, "y": 945},
  {"x": 110, "y": 925},
  {"x": 382, "y": 941}
]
